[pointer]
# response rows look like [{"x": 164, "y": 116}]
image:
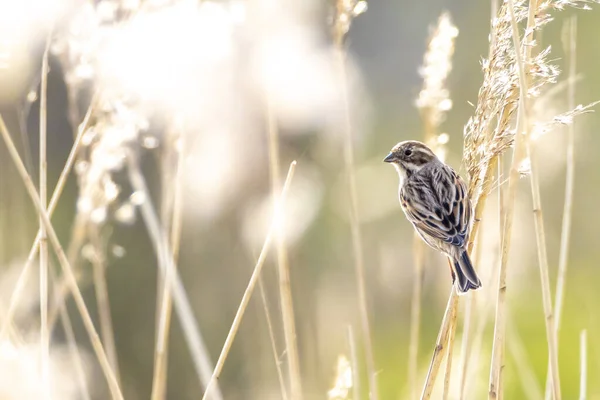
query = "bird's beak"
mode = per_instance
[{"x": 389, "y": 158}]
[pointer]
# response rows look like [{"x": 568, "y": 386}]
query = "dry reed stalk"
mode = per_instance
[
  {"x": 583, "y": 365},
  {"x": 64, "y": 263},
  {"x": 345, "y": 12},
  {"x": 44, "y": 334},
  {"x": 415, "y": 313},
  {"x": 62, "y": 180},
  {"x": 433, "y": 103},
  {"x": 571, "y": 49},
  {"x": 285, "y": 290},
  {"x": 536, "y": 198},
  {"x": 441, "y": 344},
  {"x": 102, "y": 298},
  {"x": 495, "y": 389},
  {"x": 265, "y": 304},
  {"x": 166, "y": 265},
  {"x": 354, "y": 361},
  {"x": 173, "y": 218},
  {"x": 80, "y": 375},
  {"x": 450, "y": 346},
  {"x": 278, "y": 209}
]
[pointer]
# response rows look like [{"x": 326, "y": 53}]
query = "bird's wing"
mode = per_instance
[{"x": 439, "y": 206}]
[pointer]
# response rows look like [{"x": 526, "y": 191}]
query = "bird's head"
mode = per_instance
[{"x": 410, "y": 156}]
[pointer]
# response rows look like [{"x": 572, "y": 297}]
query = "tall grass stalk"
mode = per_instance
[
  {"x": 441, "y": 344},
  {"x": 583, "y": 365},
  {"x": 537, "y": 204},
  {"x": 101, "y": 290},
  {"x": 173, "y": 210},
  {"x": 62, "y": 180},
  {"x": 278, "y": 209},
  {"x": 44, "y": 334},
  {"x": 64, "y": 263},
  {"x": 80, "y": 375},
  {"x": 571, "y": 49},
  {"x": 354, "y": 360},
  {"x": 497, "y": 363},
  {"x": 357, "y": 247},
  {"x": 283, "y": 265},
  {"x": 280, "y": 378},
  {"x": 166, "y": 264}
]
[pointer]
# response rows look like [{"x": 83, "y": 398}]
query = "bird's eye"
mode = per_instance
[{"x": 407, "y": 152}]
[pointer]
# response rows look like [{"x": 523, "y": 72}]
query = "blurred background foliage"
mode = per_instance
[{"x": 226, "y": 204}]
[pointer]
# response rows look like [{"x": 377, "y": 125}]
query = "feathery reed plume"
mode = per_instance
[
  {"x": 433, "y": 103},
  {"x": 345, "y": 12},
  {"x": 275, "y": 222},
  {"x": 342, "y": 387}
]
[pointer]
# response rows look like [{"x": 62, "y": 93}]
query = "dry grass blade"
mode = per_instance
[
  {"x": 354, "y": 361},
  {"x": 415, "y": 313},
  {"x": 64, "y": 263},
  {"x": 251, "y": 284},
  {"x": 569, "y": 190},
  {"x": 500, "y": 317},
  {"x": 583, "y": 365},
  {"x": 44, "y": 334},
  {"x": 280, "y": 378},
  {"x": 62, "y": 180},
  {"x": 166, "y": 264},
  {"x": 101, "y": 290},
  {"x": 441, "y": 344},
  {"x": 159, "y": 379},
  {"x": 285, "y": 291},
  {"x": 450, "y": 347},
  {"x": 356, "y": 231},
  {"x": 346, "y": 11}
]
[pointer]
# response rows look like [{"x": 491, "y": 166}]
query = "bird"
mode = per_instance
[{"x": 435, "y": 201}]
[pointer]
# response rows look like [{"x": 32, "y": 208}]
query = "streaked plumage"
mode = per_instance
[{"x": 434, "y": 199}]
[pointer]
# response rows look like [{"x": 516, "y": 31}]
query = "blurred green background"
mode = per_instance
[{"x": 223, "y": 227}]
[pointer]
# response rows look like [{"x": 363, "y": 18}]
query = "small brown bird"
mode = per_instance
[{"x": 434, "y": 199}]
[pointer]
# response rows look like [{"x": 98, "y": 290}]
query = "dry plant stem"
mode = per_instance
[
  {"x": 583, "y": 365},
  {"x": 495, "y": 390},
  {"x": 285, "y": 291},
  {"x": 265, "y": 304},
  {"x": 569, "y": 190},
  {"x": 354, "y": 360},
  {"x": 62, "y": 180},
  {"x": 64, "y": 263},
  {"x": 544, "y": 275},
  {"x": 166, "y": 264},
  {"x": 452, "y": 309},
  {"x": 466, "y": 343},
  {"x": 73, "y": 348},
  {"x": 101, "y": 290},
  {"x": 355, "y": 228},
  {"x": 44, "y": 334},
  {"x": 159, "y": 381},
  {"x": 450, "y": 347},
  {"x": 441, "y": 344},
  {"x": 252, "y": 283},
  {"x": 415, "y": 313}
]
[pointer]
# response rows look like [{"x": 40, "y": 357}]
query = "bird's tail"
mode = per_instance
[{"x": 465, "y": 274}]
